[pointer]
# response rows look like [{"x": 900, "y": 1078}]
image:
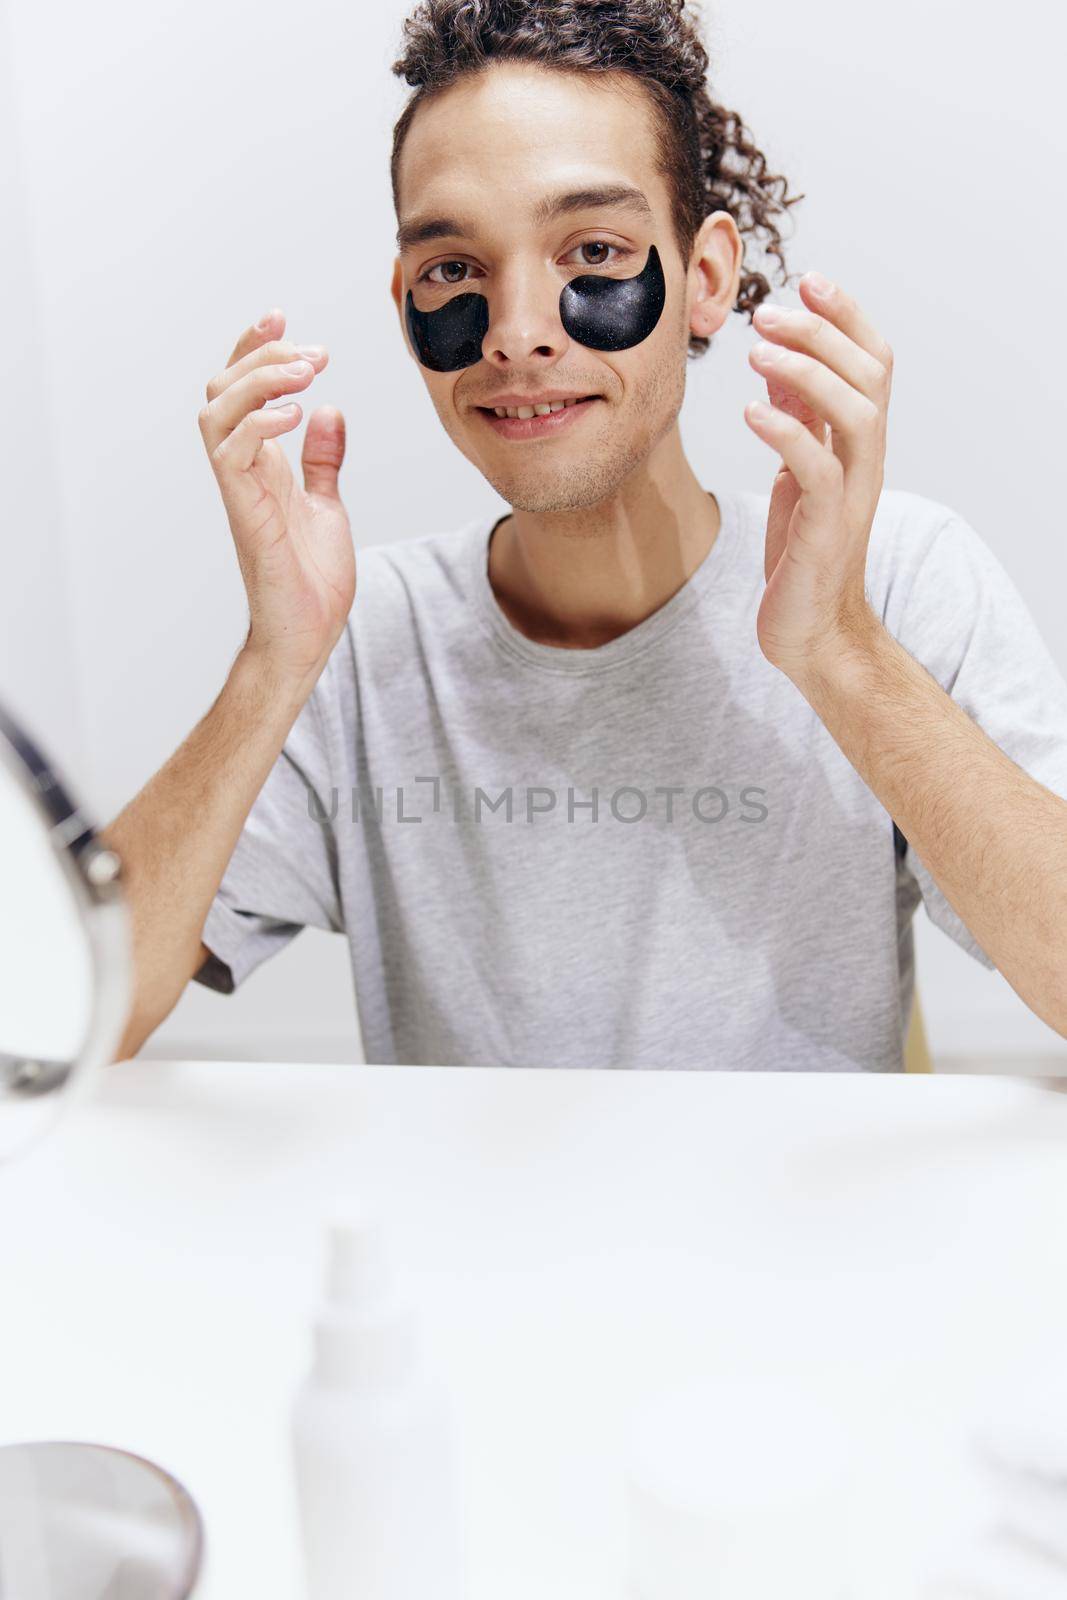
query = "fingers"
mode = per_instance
[
  {"x": 840, "y": 309},
  {"x": 816, "y": 469},
  {"x": 800, "y": 329},
  {"x": 789, "y": 402},
  {"x": 280, "y": 376},
  {"x": 829, "y": 356},
  {"x": 239, "y": 449},
  {"x": 323, "y": 452},
  {"x": 267, "y": 352},
  {"x": 259, "y": 346},
  {"x": 858, "y": 422},
  {"x": 247, "y": 503},
  {"x": 270, "y": 326},
  {"x": 238, "y": 418}
]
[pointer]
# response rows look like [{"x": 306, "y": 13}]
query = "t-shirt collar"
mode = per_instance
[{"x": 646, "y": 634}]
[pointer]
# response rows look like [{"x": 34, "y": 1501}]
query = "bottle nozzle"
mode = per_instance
[
  {"x": 364, "y": 1332},
  {"x": 356, "y": 1272}
]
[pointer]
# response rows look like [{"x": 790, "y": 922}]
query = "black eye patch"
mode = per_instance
[
  {"x": 601, "y": 313},
  {"x": 614, "y": 313},
  {"x": 450, "y": 337}
]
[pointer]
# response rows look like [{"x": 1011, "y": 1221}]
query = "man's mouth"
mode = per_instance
[
  {"x": 537, "y": 410},
  {"x": 518, "y": 424}
]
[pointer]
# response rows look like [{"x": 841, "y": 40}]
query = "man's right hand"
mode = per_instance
[{"x": 294, "y": 545}]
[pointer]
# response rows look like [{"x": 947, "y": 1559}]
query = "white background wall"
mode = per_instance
[
  {"x": 37, "y": 676},
  {"x": 188, "y": 165}
]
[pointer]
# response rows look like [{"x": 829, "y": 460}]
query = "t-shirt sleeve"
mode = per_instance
[
  {"x": 282, "y": 875},
  {"x": 963, "y": 619}
]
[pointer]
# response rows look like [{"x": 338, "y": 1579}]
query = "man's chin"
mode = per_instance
[
  {"x": 555, "y": 489},
  {"x": 542, "y": 504}
]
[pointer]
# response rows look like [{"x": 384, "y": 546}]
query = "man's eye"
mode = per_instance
[
  {"x": 450, "y": 277},
  {"x": 601, "y": 244},
  {"x": 440, "y": 265}
]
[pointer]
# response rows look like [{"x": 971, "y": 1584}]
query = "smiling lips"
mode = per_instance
[
  {"x": 520, "y": 406},
  {"x": 535, "y": 421}
]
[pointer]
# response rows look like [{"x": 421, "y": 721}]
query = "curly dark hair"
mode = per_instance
[{"x": 704, "y": 152}]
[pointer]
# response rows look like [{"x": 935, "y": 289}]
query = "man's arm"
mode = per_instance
[
  {"x": 993, "y": 838},
  {"x": 294, "y": 547},
  {"x": 178, "y": 833}
]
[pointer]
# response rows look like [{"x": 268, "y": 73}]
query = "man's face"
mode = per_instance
[{"x": 485, "y": 155}]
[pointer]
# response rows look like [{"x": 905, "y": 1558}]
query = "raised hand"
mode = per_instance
[
  {"x": 294, "y": 545},
  {"x": 828, "y": 374}
]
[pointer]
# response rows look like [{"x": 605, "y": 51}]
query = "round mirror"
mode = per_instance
[
  {"x": 87, "y": 1522},
  {"x": 77, "y": 1521},
  {"x": 64, "y": 942}
]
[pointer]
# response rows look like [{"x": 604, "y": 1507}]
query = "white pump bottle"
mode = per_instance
[{"x": 375, "y": 1443}]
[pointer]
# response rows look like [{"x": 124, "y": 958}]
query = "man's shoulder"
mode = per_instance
[
  {"x": 918, "y": 547},
  {"x": 419, "y": 557},
  {"x": 907, "y": 528},
  {"x": 411, "y": 587},
  {"x": 904, "y": 527},
  {"x": 905, "y": 521},
  {"x": 434, "y": 569}
]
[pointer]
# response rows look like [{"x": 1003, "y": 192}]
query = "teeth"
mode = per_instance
[{"x": 532, "y": 411}]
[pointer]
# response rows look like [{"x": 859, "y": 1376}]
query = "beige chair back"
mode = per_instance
[{"x": 916, "y": 1050}]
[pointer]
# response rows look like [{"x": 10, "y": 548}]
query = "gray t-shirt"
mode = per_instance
[{"x": 647, "y": 854}]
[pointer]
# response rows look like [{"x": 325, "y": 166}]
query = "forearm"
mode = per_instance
[
  {"x": 992, "y": 837},
  {"x": 176, "y": 836}
]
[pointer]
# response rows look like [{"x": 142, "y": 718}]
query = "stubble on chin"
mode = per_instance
[{"x": 618, "y": 438}]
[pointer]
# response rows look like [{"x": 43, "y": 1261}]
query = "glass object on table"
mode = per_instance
[{"x": 78, "y": 1521}]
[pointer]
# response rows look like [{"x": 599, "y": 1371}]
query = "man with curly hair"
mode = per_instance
[{"x": 635, "y": 774}]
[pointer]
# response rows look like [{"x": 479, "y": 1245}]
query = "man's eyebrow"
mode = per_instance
[{"x": 622, "y": 196}]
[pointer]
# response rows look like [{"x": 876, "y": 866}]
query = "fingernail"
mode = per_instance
[
  {"x": 313, "y": 351},
  {"x": 265, "y": 320},
  {"x": 818, "y": 284},
  {"x": 297, "y": 368}
]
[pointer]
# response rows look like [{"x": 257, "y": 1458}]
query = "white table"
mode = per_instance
[{"x": 568, "y": 1236}]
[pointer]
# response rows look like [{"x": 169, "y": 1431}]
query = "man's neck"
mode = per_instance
[{"x": 578, "y": 579}]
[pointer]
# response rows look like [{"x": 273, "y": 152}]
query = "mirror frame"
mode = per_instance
[
  {"x": 185, "y": 1507},
  {"x": 94, "y": 875}
]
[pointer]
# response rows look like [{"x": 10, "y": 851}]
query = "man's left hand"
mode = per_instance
[{"x": 828, "y": 375}]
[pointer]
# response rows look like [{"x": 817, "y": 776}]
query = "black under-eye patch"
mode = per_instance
[{"x": 601, "y": 313}]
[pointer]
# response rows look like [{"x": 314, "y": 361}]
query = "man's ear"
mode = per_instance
[
  {"x": 396, "y": 289},
  {"x": 714, "y": 273}
]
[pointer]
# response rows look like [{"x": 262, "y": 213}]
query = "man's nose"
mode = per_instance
[{"x": 524, "y": 316}]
